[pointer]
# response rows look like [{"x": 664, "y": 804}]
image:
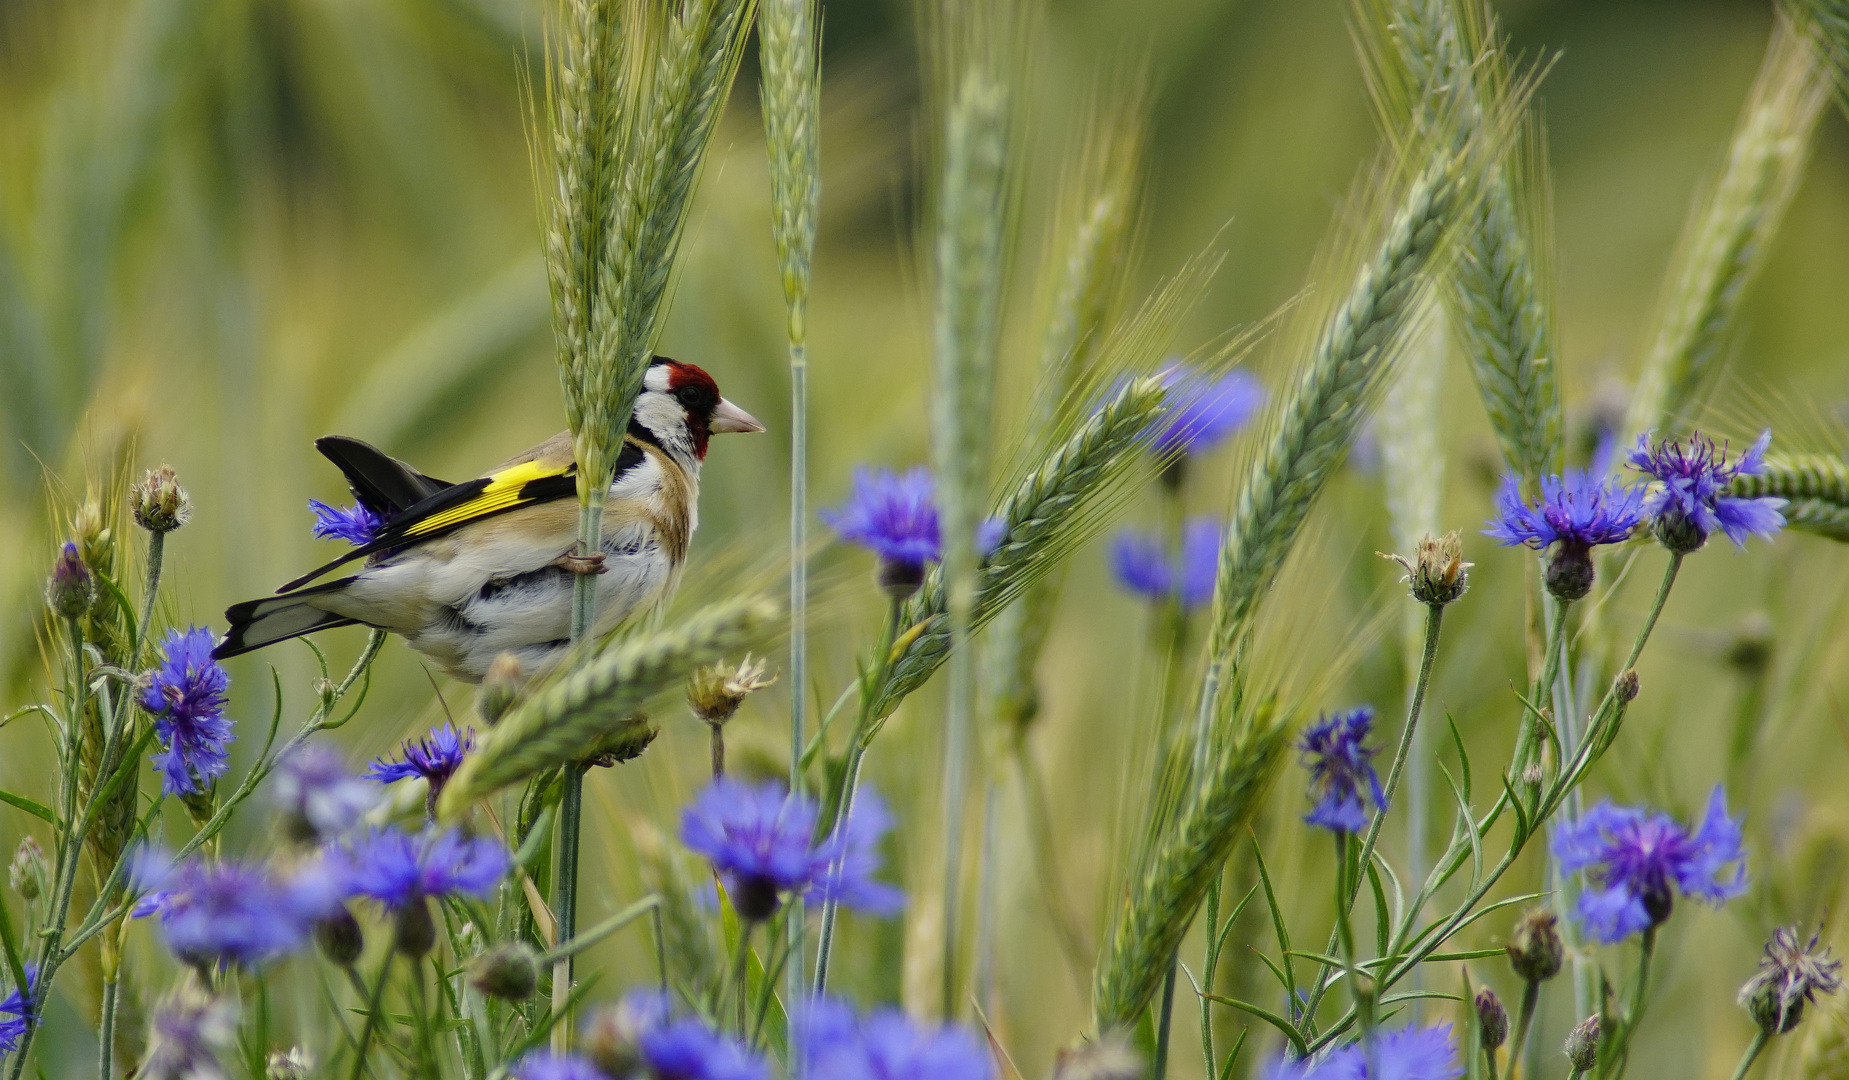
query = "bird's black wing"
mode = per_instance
[{"x": 382, "y": 483}]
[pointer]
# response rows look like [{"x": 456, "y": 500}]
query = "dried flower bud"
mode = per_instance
[
  {"x": 1569, "y": 572},
  {"x": 340, "y": 937},
  {"x": 1790, "y": 976},
  {"x": 716, "y": 691},
  {"x": 1750, "y": 651},
  {"x": 509, "y": 972},
  {"x": 1582, "y": 1045},
  {"x": 29, "y": 873},
  {"x": 295, "y": 1063},
  {"x": 71, "y": 587},
  {"x": 1626, "y": 686},
  {"x": 416, "y": 932},
  {"x": 1535, "y": 949},
  {"x": 1436, "y": 573},
  {"x": 500, "y": 688},
  {"x": 610, "y": 1036},
  {"x": 159, "y": 503},
  {"x": 1108, "y": 1058},
  {"x": 1492, "y": 1019}
]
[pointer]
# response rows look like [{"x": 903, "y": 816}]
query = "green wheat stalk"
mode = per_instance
[
  {"x": 562, "y": 719},
  {"x": 1726, "y": 240},
  {"x": 1496, "y": 293},
  {"x": 1816, "y": 487}
]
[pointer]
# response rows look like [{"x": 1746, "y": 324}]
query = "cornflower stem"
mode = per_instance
[
  {"x": 718, "y": 746},
  {"x": 1164, "y": 1021},
  {"x": 1489, "y": 1063},
  {"x": 1345, "y": 935},
  {"x": 850, "y": 779},
  {"x": 106, "y": 1026},
  {"x": 1612, "y": 1064},
  {"x": 374, "y": 1001},
  {"x": 735, "y": 988},
  {"x": 1431, "y": 939},
  {"x": 571, "y": 798},
  {"x": 157, "y": 545},
  {"x": 1525, "y": 741},
  {"x": 1428, "y": 654},
  {"x": 1524, "y": 1022},
  {"x": 1760, "y": 1038},
  {"x": 1209, "y": 964}
]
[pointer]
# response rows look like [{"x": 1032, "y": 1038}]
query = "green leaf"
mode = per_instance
[
  {"x": 1296, "y": 1040},
  {"x": 36, "y": 809},
  {"x": 1463, "y": 755},
  {"x": 1277, "y": 918},
  {"x": 1382, "y": 932}
]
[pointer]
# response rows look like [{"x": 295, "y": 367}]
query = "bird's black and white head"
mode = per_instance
[{"x": 680, "y": 406}]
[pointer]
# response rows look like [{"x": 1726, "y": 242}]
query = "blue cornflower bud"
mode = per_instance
[
  {"x": 1789, "y": 978},
  {"x": 1203, "y": 411},
  {"x": 403, "y": 872},
  {"x": 186, "y": 697},
  {"x": 1690, "y": 501},
  {"x": 1342, "y": 777},
  {"x": 1637, "y": 858},
  {"x": 71, "y": 587},
  {"x": 1142, "y": 566},
  {"x": 887, "y": 1045},
  {"x": 433, "y": 757},
  {"x": 895, "y": 516},
  {"x": 18, "y": 1006},
  {"x": 761, "y": 840}
]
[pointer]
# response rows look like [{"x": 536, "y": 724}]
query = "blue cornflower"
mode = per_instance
[
  {"x": 18, "y": 1006},
  {"x": 1576, "y": 513},
  {"x": 547, "y": 1066},
  {"x": 186, "y": 697},
  {"x": 1692, "y": 502},
  {"x": 398, "y": 869},
  {"x": 318, "y": 797},
  {"x": 1634, "y": 856},
  {"x": 885, "y": 1045},
  {"x": 186, "y": 1034},
  {"x": 689, "y": 1050},
  {"x": 1408, "y": 1053},
  {"x": 1142, "y": 566},
  {"x": 435, "y": 757},
  {"x": 225, "y": 913},
  {"x": 760, "y": 838},
  {"x": 894, "y": 515},
  {"x": 1204, "y": 410},
  {"x": 1342, "y": 778},
  {"x": 357, "y": 525}
]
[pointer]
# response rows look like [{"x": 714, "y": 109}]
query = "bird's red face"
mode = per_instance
[{"x": 706, "y": 413}]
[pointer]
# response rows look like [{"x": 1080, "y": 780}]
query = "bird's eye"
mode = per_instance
[{"x": 694, "y": 397}]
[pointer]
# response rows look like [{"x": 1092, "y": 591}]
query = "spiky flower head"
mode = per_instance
[
  {"x": 229, "y": 914},
  {"x": 716, "y": 691},
  {"x": 28, "y": 873},
  {"x": 19, "y": 1011},
  {"x": 71, "y": 587},
  {"x": 186, "y": 1035},
  {"x": 760, "y": 838},
  {"x": 403, "y": 872},
  {"x": 358, "y": 525},
  {"x": 1689, "y": 501},
  {"x": 1204, "y": 410},
  {"x": 1576, "y": 513},
  {"x": 432, "y": 757},
  {"x": 689, "y": 1050},
  {"x": 1436, "y": 572},
  {"x": 1638, "y": 858},
  {"x": 1789, "y": 978},
  {"x": 1492, "y": 1019},
  {"x": 159, "y": 503},
  {"x": 1408, "y": 1053},
  {"x": 886, "y": 1044},
  {"x": 316, "y": 795},
  {"x": 1141, "y": 564},
  {"x": 1342, "y": 777},
  {"x": 894, "y": 515},
  {"x": 1535, "y": 949},
  {"x": 1582, "y": 1044},
  {"x": 186, "y": 697},
  {"x": 509, "y": 971}
]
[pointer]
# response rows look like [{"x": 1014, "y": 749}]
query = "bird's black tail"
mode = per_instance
[{"x": 256, "y": 623}]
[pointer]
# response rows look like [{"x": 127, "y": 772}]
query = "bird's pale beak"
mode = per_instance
[{"x": 729, "y": 417}]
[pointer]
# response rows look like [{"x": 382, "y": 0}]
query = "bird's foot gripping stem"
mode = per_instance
[{"x": 582, "y": 564}]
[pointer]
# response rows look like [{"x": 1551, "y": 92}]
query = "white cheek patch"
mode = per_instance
[{"x": 656, "y": 379}]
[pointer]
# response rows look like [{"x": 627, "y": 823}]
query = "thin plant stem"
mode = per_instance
[
  {"x": 1210, "y": 962},
  {"x": 1543, "y": 691},
  {"x": 985, "y": 898},
  {"x": 157, "y": 545},
  {"x": 717, "y": 738},
  {"x": 799, "y": 616},
  {"x": 955, "y": 792},
  {"x": 1524, "y": 1023},
  {"x": 571, "y": 798},
  {"x": 1760, "y": 1038},
  {"x": 1613, "y": 1063},
  {"x": 850, "y": 778},
  {"x": 374, "y": 1001},
  {"x": 106, "y": 1026},
  {"x": 1165, "y": 1018}
]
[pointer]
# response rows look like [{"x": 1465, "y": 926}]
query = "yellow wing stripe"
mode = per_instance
[{"x": 502, "y": 492}]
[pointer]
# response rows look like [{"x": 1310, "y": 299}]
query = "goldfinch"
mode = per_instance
[{"x": 465, "y": 572}]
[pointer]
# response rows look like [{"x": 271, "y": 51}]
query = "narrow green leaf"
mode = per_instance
[
  {"x": 1296, "y": 1040},
  {"x": 1381, "y": 929},
  {"x": 36, "y": 809}
]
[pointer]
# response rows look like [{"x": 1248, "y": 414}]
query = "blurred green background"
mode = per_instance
[{"x": 230, "y": 226}]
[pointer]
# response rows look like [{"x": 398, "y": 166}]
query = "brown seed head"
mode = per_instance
[
  {"x": 716, "y": 691},
  {"x": 1436, "y": 572},
  {"x": 159, "y": 503}
]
